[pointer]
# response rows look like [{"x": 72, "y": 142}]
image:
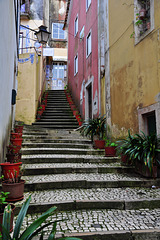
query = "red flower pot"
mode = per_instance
[
  {"x": 16, "y": 135},
  {"x": 80, "y": 123},
  {"x": 19, "y": 129},
  {"x": 43, "y": 107},
  {"x": 17, "y": 141},
  {"x": 14, "y": 149},
  {"x": 16, "y": 190},
  {"x": 110, "y": 151},
  {"x": 73, "y": 107},
  {"x": 39, "y": 112},
  {"x": 10, "y": 170},
  {"x": 99, "y": 144},
  {"x": 74, "y": 112},
  {"x": 11, "y": 222}
]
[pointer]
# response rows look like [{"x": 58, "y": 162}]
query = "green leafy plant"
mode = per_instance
[
  {"x": 94, "y": 127},
  {"x": 32, "y": 230},
  {"x": 3, "y": 202},
  {"x": 141, "y": 147},
  {"x": 111, "y": 144}
]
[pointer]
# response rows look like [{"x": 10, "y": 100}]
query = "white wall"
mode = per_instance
[{"x": 8, "y": 61}]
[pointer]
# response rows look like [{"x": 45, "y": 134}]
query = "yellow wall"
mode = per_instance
[
  {"x": 29, "y": 88},
  {"x": 134, "y": 69}
]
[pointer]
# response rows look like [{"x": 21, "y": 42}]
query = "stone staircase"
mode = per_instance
[
  {"x": 57, "y": 114},
  {"x": 99, "y": 198}
]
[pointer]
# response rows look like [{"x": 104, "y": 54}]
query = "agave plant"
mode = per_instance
[
  {"x": 141, "y": 147},
  {"x": 94, "y": 127},
  {"x": 31, "y": 231}
]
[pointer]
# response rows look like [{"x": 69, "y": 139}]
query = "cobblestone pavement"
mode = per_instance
[
  {"x": 70, "y": 165},
  {"x": 102, "y": 220},
  {"x": 78, "y": 176},
  {"x": 97, "y": 194},
  {"x": 89, "y": 157}
]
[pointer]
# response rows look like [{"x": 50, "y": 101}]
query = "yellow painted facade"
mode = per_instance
[
  {"x": 134, "y": 68},
  {"x": 30, "y": 84}
]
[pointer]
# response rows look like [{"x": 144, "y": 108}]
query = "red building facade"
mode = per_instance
[{"x": 82, "y": 23}]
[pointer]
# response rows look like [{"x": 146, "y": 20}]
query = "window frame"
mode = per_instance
[
  {"x": 88, "y": 40},
  {"x": 137, "y": 29},
  {"x": 58, "y": 27},
  {"x": 76, "y": 65},
  {"x": 76, "y": 26}
]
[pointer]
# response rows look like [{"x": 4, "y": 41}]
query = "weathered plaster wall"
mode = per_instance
[
  {"x": 8, "y": 59},
  {"x": 57, "y": 10},
  {"x": 134, "y": 69},
  {"x": 28, "y": 89},
  {"x": 87, "y": 66}
]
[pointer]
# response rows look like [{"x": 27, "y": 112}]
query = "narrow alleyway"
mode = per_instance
[{"x": 96, "y": 195}]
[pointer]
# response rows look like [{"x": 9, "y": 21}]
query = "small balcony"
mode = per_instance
[{"x": 25, "y": 9}]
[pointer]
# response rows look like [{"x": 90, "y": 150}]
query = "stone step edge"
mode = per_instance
[
  {"x": 116, "y": 235},
  {"x": 69, "y": 170},
  {"x": 29, "y": 186},
  {"x": 77, "y": 159},
  {"x": 93, "y": 204}
]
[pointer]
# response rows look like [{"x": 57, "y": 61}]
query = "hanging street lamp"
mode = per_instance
[{"x": 42, "y": 34}]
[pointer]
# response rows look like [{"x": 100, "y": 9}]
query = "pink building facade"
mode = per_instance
[{"x": 82, "y": 26}]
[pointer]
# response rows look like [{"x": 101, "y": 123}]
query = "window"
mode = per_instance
[
  {"x": 57, "y": 31},
  {"x": 58, "y": 71},
  {"x": 76, "y": 65},
  {"x": 20, "y": 43},
  {"x": 89, "y": 45},
  {"x": 76, "y": 26},
  {"x": 144, "y": 18},
  {"x": 88, "y": 3}
]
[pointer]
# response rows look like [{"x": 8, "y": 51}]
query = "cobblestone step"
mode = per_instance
[
  {"x": 57, "y": 145},
  {"x": 58, "y": 117},
  {"x": 106, "y": 198},
  {"x": 60, "y": 120},
  {"x": 64, "y": 168},
  {"x": 30, "y": 151},
  {"x": 91, "y": 180},
  {"x": 48, "y": 140},
  {"x": 104, "y": 224},
  {"x": 56, "y": 126},
  {"x": 64, "y": 158},
  {"x": 52, "y": 123}
]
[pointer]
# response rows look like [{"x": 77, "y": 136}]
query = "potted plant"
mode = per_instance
[
  {"x": 33, "y": 229},
  {"x": 143, "y": 151},
  {"x": 3, "y": 204},
  {"x": 19, "y": 127},
  {"x": 95, "y": 128},
  {"x": 16, "y": 140},
  {"x": 110, "y": 149},
  {"x": 14, "y": 185},
  {"x": 10, "y": 170}
]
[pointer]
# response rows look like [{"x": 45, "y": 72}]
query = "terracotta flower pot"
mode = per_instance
[
  {"x": 16, "y": 135},
  {"x": 10, "y": 170},
  {"x": 16, "y": 190},
  {"x": 12, "y": 216},
  {"x": 19, "y": 129},
  {"x": 110, "y": 151},
  {"x": 99, "y": 144},
  {"x": 43, "y": 107},
  {"x": 16, "y": 141},
  {"x": 13, "y": 149}
]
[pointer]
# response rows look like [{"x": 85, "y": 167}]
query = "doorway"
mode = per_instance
[{"x": 88, "y": 102}]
